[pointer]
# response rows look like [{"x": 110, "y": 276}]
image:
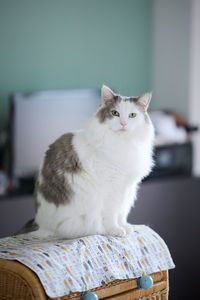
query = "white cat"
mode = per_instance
[{"x": 88, "y": 180}]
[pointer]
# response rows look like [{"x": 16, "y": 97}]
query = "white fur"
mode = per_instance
[{"x": 114, "y": 161}]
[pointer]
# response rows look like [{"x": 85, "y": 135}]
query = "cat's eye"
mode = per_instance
[
  {"x": 115, "y": 113},
  {"x": 132, "y": 115}
]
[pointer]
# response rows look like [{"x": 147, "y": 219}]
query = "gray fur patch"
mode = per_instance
[
  {"x": 104, "y": 112},
  {"x": 131, "y": 99},
  {"x": 60, "y": 158}
]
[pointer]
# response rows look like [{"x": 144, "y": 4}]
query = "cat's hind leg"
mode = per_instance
[
  {"x": 42, "y": 233},
  {"x": 79, "y": 226}
]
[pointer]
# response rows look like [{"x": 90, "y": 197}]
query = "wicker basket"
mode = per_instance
[{"x": 17, "y": 282}]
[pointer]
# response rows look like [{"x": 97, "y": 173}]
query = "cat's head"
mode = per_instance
[{"x": 123, "y": 114}]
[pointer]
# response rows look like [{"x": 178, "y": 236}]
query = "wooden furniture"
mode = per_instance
[{"x": 19, "y": 282}]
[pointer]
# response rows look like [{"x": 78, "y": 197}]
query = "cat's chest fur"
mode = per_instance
[{"x": 114, "y": 161}]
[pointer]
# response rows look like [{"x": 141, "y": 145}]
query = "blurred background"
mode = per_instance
[{"x": 54, "y": 58}]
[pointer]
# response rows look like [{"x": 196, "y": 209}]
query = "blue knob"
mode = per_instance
[
  {"x": 91, "y": 296},
  {"x": 146, "y": 282}
]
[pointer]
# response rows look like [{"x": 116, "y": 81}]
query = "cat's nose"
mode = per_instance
[{"x": 123, "y": 123}]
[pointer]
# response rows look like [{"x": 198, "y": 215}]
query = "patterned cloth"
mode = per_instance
[{"x": 67, "y": 266}]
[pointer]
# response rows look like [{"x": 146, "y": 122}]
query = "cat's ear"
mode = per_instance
[
  {"x": 106, "y": 94},
  {"x": 144, "y": 100}
]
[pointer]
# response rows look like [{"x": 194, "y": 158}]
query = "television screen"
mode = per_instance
[{"x": 38, "y": 119}]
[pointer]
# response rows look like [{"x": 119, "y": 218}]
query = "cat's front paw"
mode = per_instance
[
  {"x": 117, "y": 231},
  {"x": 128, "y": 228}
]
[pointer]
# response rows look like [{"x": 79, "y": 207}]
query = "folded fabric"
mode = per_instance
[{"x": 67, "y": 266}]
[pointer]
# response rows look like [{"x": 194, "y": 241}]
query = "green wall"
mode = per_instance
[{"x": 69, "y": 44}]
